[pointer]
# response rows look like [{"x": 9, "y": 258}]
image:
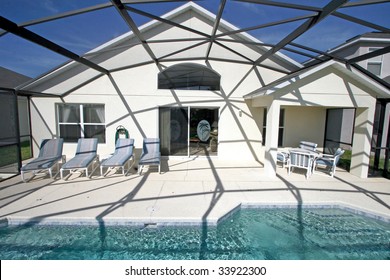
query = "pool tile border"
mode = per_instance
[{"x": 164, "y": 222}]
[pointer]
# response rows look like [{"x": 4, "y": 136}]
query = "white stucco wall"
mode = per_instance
[
  {"x": 306, "y": 99},
  {"x": 306, "y": 124},
  {"x": 132, "y": 99}
]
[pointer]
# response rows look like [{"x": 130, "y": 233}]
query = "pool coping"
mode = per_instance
[{"x": 161, "y": 222}]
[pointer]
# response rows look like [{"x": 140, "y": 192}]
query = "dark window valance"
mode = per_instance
[{"x": 189, "y": 76}]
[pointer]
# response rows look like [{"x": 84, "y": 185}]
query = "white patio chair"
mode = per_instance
[
  {"x": 283, "y": 157},
  {"x": 300, "y": 160},
  {"x": 329, "y": 162}
]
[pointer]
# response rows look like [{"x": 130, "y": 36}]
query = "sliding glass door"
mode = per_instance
[
  {"x": 188, "y": 131},
  {"x": 10, "y": 157},
  {"x": 203, "y": 131},
  {"x": 173, "y": 131}
]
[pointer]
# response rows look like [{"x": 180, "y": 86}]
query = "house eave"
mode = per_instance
[{"x": 380, "y": 90}]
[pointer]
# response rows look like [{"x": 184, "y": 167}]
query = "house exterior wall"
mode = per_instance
[
  {"x": 363, "y": 47},
  {"x": 131, "y": 99},
  {"x": 306, "y": 99},
  {"x": 385, "y": 59},
  {"x": 306, "y": 124}
]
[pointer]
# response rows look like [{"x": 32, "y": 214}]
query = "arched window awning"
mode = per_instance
[{"x": 189, "y": 76}]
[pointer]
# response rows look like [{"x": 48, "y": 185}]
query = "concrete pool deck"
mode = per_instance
[{"x": 188, "y": 191}]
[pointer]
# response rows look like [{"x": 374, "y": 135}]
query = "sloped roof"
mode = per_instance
[
  {"x": 215, "y": 40},
  {"x": 117, "y": 54},
  {"x": 381, "y": 90},
  {"x": 11, "y": 79}
]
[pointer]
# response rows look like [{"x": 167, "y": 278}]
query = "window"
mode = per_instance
[
  {"x": 281, "y": 126},
  {"x": 374, "y": 65},
  {"x": 81, "y": 121},
  {"x": 189, "y": 76}
]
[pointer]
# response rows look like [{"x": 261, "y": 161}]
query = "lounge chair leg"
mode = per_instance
[
  {"x": 57, "y": 170},
  {"x": 95, "y": 162},
  {"x": 22, "y": 175},
  {"x": 128, "y": 168}
]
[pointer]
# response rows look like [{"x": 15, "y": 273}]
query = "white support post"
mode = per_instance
[
  {"x": 271, "y": 141},
  {"x": 362, "y": 141}
]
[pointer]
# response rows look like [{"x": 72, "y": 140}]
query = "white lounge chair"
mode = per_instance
[
  {"x": 86, "y": 155},
  {"x": 50, "y": 155},
  {"x": 124, "y": 153},
  {"x": 329, "y": 162},
  {"x": 150, "y": 154},
  {"x": 301, "y": 160}
]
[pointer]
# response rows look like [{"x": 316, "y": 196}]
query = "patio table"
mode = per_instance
[{"x": 313, "y": 154}]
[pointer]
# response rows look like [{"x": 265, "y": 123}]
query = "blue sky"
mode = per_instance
[{"x": 84, "y": 32}]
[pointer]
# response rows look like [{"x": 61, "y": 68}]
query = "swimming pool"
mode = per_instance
[{"x": 273, "y": 234}]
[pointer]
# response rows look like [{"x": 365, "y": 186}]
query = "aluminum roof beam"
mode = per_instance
[
  {"x": 134, "y": 10},
  {"x": 39, "y": 40},
  {"x": 363, "y": 3},
  {"x": 149, "y": 1},
  {"x": 326, "y": 11},
  {"x": 327, "y": 54},
  {"x": 130, "y": 22},
  {"x": 283, "y": 5},
  {"x": 183, "y": 50},
  {"x": 371, "y": 75},
  {"x": 266, "y": 25},
  {"x": 62, "y": 15},
  {"x": 215, "y": 27},
  {"x": 369, "y": 55},
  {"x": 361, "y": 22}
]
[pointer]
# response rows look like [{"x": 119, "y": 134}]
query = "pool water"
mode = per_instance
[{"x": 272, "y": 234}]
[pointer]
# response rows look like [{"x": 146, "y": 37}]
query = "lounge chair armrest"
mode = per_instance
[
  {"x": 329, "y": 159},
  {"x": 327, "y": 156}
]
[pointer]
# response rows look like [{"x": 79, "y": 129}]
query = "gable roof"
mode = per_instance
[
  {"x": 191, "y": 43},
  {"x": 370, "y": 37},
  {"x": 291, "y": 79},
  {"x": 211, "y": 44}
]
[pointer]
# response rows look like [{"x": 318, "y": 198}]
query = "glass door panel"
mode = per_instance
[
  {"x": 203, "y": 131},
  {"x": 9, "y": 136},
  {"x": 179, "y": 131},
  {"x": 174, "y": 131}
]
